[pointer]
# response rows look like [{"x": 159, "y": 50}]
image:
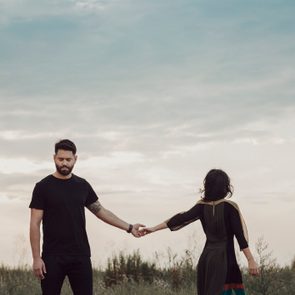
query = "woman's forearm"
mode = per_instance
[
  {"x": 248, "y": 254},
  {"x": 252, "y": 265},
  {"x": 160, "y": 226}
]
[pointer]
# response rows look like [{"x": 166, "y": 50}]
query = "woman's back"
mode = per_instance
[
  {"x": 221, "y": 220},
  {"x": 218, "y": 272},
  {"x": 217, "y": 266}
]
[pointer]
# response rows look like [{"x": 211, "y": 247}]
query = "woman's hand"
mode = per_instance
[
  {"x": 136, "y": 232},
  {"x": 253, "y": 267},
  {"x": 147, "y": 230}
]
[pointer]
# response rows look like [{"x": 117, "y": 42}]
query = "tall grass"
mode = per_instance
[
  {"x": 130, "y": 274},
  {"x": 17, "y": 281}
]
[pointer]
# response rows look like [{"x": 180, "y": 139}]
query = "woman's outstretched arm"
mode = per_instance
[
  {"x": 176, "y": 222},
  {"x": 149, "y": 230}
]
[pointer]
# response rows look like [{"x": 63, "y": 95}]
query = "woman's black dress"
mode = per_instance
[{"x": 217, "y": 272}]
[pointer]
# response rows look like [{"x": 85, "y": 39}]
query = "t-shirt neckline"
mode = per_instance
[{"x": 62, "y": 179}]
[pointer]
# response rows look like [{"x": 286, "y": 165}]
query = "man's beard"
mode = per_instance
[{"x": 64, "y": 170}]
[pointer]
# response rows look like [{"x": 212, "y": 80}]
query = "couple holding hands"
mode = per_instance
[{"x": 58, "y": 201}]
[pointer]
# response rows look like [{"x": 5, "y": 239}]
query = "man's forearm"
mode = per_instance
[
  {"x": 35, "y": 240},
  {"x": 110, "y": 218}
]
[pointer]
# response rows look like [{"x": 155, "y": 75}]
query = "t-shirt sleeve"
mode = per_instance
[
  {"x": 180, "y": 220},
  {"x": 238, "y": 229},
  {"x": 91, "y": 196},
  {"x": 38, "y": 198}
]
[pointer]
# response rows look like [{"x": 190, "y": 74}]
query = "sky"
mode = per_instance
[{"x": 154, "y": 94}]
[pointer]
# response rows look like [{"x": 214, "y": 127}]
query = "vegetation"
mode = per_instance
[
  {"x": 273, "y": 279},
  {"x": 129, "y": 274}
]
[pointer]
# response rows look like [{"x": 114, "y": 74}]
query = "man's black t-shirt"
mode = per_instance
[{"x": 64, "y": 224}]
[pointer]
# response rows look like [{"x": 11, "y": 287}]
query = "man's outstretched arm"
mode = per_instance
[
  {"x": 109, "y": 217},
  {"x": 38, "y": 263}
]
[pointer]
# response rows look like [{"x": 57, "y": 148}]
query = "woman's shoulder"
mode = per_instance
[
  {"x": 217, "y": 202},
  {"x": 201, "y": 202},
  {"x": 232, "y": 204}
]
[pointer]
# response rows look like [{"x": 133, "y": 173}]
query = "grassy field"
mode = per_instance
[
  {"x": 22, "y": 282},
  {"x": 129, "y": 274}
]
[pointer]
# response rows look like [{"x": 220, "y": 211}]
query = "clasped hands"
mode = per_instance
[{"x": 140, "y": 230}]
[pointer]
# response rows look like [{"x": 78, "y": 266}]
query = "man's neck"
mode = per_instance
[{"x": 60, "y": 176}]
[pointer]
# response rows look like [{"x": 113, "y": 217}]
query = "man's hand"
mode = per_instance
[
  {"x": 135, "y": 230},
  {"x": 39, "y": 268}
]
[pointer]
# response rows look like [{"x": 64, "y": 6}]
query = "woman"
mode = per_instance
[{"x": 218, "y": 272}]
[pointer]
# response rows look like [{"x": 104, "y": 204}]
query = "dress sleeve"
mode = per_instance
[
  {"x": 38, "y": 198},
  {"x": 180, "y": 220},
  {"x": 238, "y": 226}
]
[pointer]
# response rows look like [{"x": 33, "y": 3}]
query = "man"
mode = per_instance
[{"x": 58, "y": 201}]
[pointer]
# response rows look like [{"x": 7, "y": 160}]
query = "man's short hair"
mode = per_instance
[{"x": 65, "y": 144}]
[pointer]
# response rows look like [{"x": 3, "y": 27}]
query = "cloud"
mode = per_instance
[
  {"x": 149, "y": 127},
  {"x": 21, "y": 165},
  {"x": 16, "y": 135},
  {"x": 93, "y": 5},
  {"x": 154, "y": 94},
  {"x": 18, "y": 186},
  {"x": 144, "y": 85}
]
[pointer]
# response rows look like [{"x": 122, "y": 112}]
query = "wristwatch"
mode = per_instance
[{"x": 129, "y": 230}]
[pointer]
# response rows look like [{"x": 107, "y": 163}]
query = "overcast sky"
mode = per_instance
[{"x": 154, "y": 94}]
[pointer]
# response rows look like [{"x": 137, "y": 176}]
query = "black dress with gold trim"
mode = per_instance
[{"x": 218, "y": 271}]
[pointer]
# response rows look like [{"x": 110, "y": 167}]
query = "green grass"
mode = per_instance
[
  {"x": 21, "y": 281},
  {"x": 129, "y": 274},
  {"x": 18, "y": 281}
]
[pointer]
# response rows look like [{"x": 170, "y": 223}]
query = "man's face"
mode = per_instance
[{"x": 64, "y": 162}]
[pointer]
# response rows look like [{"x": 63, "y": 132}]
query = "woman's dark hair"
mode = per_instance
[
  {"x": 217, "y": 185},
  {"x": 65, "y": 144}
]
